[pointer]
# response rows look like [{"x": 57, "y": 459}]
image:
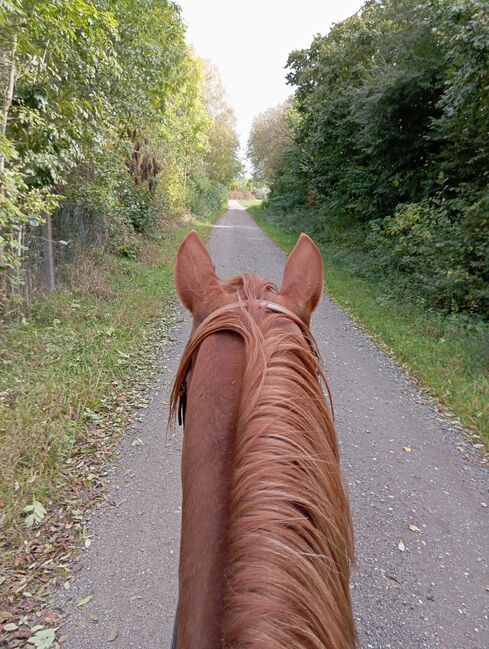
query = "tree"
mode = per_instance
[
  {"x": 104, "y": 108},
  {"x": 269, "y": 138},
  {"x": 50, "y": 53},
  {"x": 220, "y": 164},
  {"x": 392, "y": 137}
]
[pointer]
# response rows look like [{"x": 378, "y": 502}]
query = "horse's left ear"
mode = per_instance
[
  {"x": 303, "y": 282},
  {"x": 197, "y": 284}
]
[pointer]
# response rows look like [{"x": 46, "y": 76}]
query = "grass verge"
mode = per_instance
[
  {"x": 69, "y": 379},
  {"x": 447, "y": 355},
  {"x": 250, "y": 202}
]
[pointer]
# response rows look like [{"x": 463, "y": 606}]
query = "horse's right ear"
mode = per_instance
[
  {"x": 196, "y": 281},
  {"x": 303, "y": 281}
]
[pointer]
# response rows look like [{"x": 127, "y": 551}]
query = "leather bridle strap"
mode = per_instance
[{"x": 271, "y": 306}]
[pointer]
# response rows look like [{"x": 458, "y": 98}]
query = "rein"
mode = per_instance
[{"x": 270, "y": 306}]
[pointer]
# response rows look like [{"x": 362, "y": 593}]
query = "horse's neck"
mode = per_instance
[{"x": 213, "y": 403}]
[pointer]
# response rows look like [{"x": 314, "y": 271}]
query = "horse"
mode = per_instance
[{"x": 266, "y": 534}]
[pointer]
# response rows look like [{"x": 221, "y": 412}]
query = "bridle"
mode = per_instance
[{"x": 274, "y": 307}]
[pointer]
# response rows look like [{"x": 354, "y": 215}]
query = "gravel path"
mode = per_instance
[{"x": 413, "y": 588}]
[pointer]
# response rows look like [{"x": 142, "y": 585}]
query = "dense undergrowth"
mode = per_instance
[
  {"x": 383, "y": 149},
  {"x": 447, "y": 353}
]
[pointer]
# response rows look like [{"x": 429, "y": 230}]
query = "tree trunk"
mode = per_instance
[
  {"x": 48, "y": 260},
  {"x": 7, "y": 100}
]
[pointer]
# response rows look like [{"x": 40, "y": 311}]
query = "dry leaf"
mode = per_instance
[
  {"x": 414, "y": 528},
  {"x": 408, "y": 449},
  {"x": 11, "y": 626},
  {"x": 401, "y": 545},
  {"x": 43, "y": 639},
  {"x": 112, "y": 635},
  {"x": 85, "y": 600}
]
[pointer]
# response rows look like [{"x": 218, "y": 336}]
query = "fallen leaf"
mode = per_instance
[
  {"x": 88, "y": 543},
  {"x": 483, "y": 504},
  {"x": 401, "y": 545},
  {"x": 43, "y": 639},
  {"x": 11, "y": 626},
  {"x": 85, "y": 600},
  {"x": 112, "y": 635},
  {"x": 137, "y": 442},
  {"x": 408, "y": 449},
  {"x": 414, "y": 528}
]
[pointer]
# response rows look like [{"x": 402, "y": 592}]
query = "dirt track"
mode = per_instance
[{"x": 402, "y": 466}]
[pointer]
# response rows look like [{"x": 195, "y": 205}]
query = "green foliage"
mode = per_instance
[
  {"x": 393, "y": 116},
  {"x": 269, "y": 138},
  {"x": 105, "y": 106},
  {"x": 449, "y": 354}
]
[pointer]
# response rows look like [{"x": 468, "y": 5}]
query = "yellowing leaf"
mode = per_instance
[{"x": 85, "y": 600}]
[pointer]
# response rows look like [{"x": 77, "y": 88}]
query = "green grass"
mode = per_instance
[
  {"x": 250, "y": 202},
  {"x": 80, "y": 356},
  {"x": 448, "y": 355}
]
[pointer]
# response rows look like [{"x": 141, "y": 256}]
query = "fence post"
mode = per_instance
[{"x": 48, "y": 260}]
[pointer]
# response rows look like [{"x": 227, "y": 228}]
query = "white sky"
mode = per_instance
[{"x": 250, "y": 41}]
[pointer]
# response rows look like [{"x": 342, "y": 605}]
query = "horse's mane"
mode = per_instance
[{"x": 289, "y": 539}]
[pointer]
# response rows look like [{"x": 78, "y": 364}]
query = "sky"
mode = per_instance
[{"x": 250, "y": 41}]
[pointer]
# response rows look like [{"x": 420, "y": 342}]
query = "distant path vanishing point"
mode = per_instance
[{"x": 423, "y": 586}]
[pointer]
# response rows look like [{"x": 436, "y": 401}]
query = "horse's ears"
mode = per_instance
[
  {"x": 303, "y": 281},
  {"x": 195, "y": 277}
]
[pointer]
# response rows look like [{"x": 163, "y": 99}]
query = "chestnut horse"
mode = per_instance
[{"x": 266, "y": 541}]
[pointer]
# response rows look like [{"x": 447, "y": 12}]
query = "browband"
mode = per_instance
[{"x": 271, "y": 306}]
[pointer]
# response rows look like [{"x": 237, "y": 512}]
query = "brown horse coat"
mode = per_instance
[{"x": 267, "y": 542}]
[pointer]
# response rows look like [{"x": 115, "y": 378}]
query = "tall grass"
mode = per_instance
[{"x": 78, "y": 356}]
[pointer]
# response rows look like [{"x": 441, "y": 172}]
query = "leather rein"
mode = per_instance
[{"x": 274, "y": 307}]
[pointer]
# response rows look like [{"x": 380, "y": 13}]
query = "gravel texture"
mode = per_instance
[{"x": 404, "y": 463}]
